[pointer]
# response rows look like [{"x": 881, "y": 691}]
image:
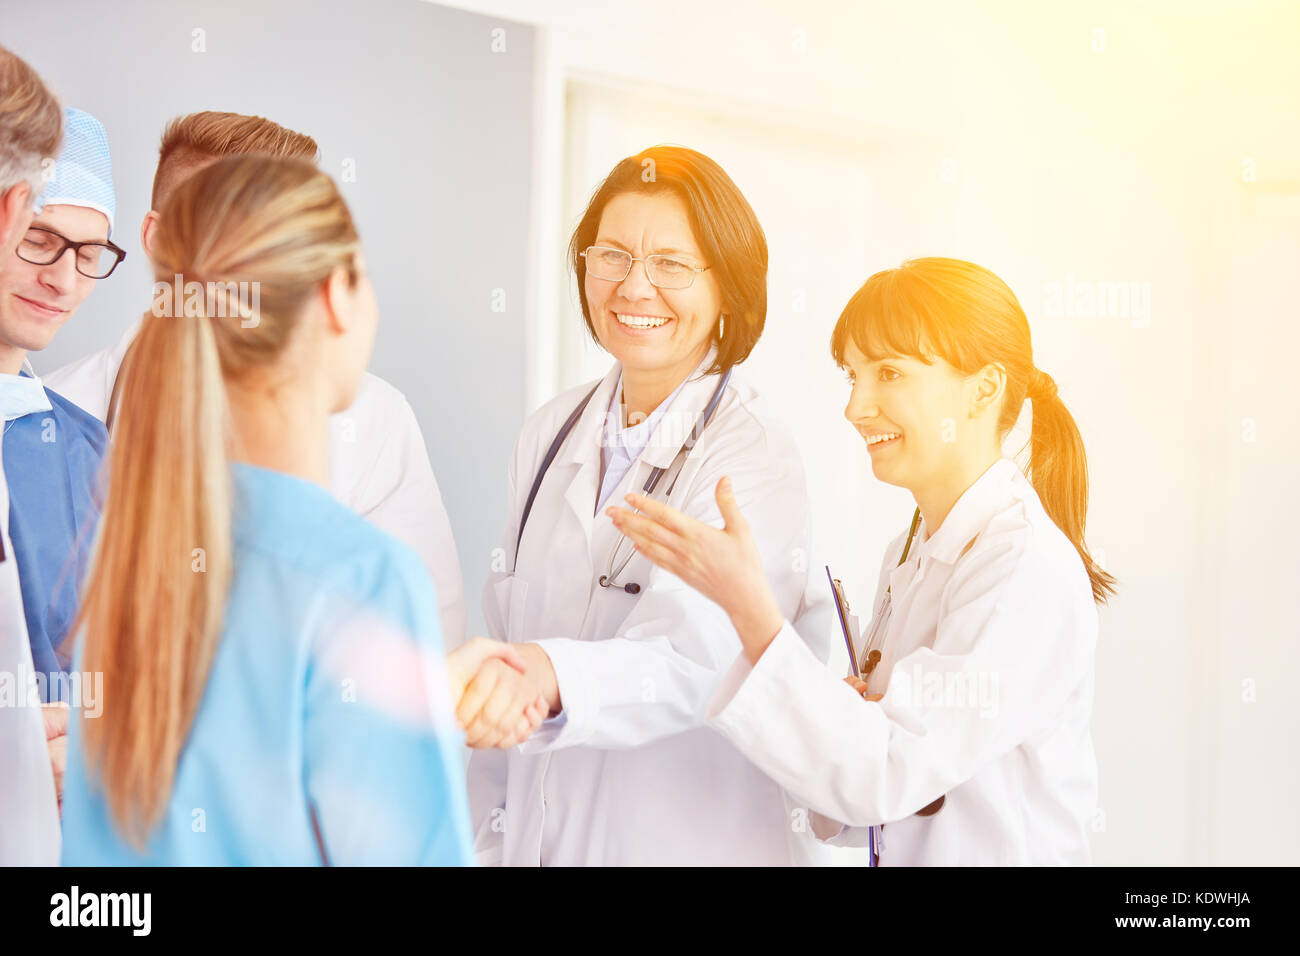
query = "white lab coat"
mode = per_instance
[
  {"x": 29, "y": 816},
  {"x": 987, "y": 674},
  {"x": 628, "y": 774},
  {"x": 379, "y": 468}
]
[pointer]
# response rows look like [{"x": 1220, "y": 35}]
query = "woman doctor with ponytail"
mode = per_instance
[
  {"x": 969, "y": 739},
  {"x": 273, "y": 685}
]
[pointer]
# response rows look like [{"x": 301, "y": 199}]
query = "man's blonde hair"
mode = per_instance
[
  {"x": 31, "y": 123},
  {"x": 197, "y": 138}
]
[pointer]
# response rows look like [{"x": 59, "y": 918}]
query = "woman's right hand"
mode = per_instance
[
  {"x": 497, "y": 705},
  {"x": 859, "y": 685}
]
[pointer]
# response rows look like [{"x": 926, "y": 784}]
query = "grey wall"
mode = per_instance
[{"x": 438, "y": 129}]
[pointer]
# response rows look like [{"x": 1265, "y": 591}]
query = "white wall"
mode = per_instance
[
  {"x": 428, "y": 132},
  {"x": 1062, "y": 146}
]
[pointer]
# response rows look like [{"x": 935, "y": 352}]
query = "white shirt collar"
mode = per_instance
[{"x": 634, "y": 438}]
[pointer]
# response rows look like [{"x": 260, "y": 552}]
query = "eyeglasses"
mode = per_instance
[
  {"x": 664, "y": 272},
  {"x": 44, "y": 247}
]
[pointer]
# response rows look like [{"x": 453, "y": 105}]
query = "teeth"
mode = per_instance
[
  {"x": 874, "y": 439},
  {"x": 641, "y": 321}
]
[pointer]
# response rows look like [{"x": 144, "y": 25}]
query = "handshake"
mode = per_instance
[{"x": 501, "y": 692}]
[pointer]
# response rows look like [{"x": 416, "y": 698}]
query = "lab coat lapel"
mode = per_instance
[
  {"x": 968, "y": 517},
  {"x": 674, "y": 429},
  {"x": 901, "y": 576},
  {"x": 578, "y": 462},
  {"x": 29, "y": 826},
  {"x": 971, "y": 513}
]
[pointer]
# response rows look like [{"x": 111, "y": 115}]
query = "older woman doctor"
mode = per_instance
[{"x": 671, "y": 266}]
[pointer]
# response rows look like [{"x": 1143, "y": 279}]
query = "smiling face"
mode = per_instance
[
  {"x": 661, "y": 332},
  {"x": 35, "y": 300},
  {"x": 916, "y": 418}
]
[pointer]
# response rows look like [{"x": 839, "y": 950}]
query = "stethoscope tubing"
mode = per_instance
[{"x": 607, "y": 580}]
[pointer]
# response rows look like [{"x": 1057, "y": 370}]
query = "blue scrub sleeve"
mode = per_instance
[{"x": 383, "y": 772}]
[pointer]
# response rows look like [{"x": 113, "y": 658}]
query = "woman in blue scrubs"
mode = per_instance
[{"x": 274, "y": 686}]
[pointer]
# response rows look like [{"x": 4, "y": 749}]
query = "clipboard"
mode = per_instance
[
  {"x": 842, "y": 608},
  {"x": 845, "y": 616}
]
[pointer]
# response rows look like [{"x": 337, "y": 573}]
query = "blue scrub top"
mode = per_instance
[
  {"x": 51, "y": 460},
  {"x": 326, "y": 691}
]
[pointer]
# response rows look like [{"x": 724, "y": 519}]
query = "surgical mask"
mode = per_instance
[{"x": 21, "y": 395}]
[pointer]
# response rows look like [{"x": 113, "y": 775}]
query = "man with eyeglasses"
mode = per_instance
[{"x": 52, "y": 447}]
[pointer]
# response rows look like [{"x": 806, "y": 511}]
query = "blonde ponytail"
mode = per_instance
[{"x": 154, "y": 604}]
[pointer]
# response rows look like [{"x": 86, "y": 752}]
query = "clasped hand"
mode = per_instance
[{"x": 499, "y": 700}]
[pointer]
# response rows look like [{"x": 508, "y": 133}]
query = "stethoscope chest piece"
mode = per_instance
[{"x": 630, "y": 588}]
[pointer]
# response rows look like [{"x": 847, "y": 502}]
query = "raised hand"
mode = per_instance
[{"x": 722, "y": 564}]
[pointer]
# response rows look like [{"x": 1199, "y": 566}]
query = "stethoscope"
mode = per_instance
[
  {"x": 875, "y": 640},
  {"x": 870, "y": 658},
  {"x": 608, "y": 579}
]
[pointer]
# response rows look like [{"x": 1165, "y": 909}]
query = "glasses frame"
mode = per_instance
[
  {"x": 112, "y": 247},
  {"x": 632, "y": 260}
]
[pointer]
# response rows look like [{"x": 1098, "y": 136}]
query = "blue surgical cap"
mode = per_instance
[{"x": 83, "y": 173}]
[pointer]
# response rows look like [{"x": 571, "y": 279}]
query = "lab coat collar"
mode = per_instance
[
  {"x": 581, "y": 453},
  {"x": 971, "y": 514},
  {"x": 670, "y": 433},
  {"x": 582, "y": 450},
  {"x": 674, "y": 429},
  {"x": 634, "y": 437}
]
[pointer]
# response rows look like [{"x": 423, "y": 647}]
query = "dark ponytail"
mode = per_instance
[{"x": 1058, "y": 469}]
